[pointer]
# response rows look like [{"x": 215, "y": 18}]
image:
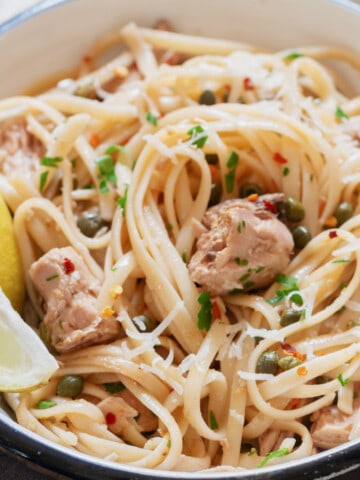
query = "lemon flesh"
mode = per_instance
[
  {"x": 11, "y": 274},
  {"x": 24, "y": 360}
]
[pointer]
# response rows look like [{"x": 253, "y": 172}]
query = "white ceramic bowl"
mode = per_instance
[{"x": 51, "y": 38}]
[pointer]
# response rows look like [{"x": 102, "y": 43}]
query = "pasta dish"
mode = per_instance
[{"x": 189, "y": 226}]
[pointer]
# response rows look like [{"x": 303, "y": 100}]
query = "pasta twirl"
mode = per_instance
[{"x": 120, "y": 167}]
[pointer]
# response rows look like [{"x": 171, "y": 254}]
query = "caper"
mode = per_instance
[
  {"x": 44, "y": 333},
  {"x": 285, "y": 363},
  {"x": 143, "y": 323},
  {"x": 343, "y": 212},
  {"x": 301, "y": 236},
  {"x": 87, "y": 90},
  {"x": 207, "y": 97},
  {"x": 70, "y": 386},
  {"x": 294, "y": 210},
  {"x": 90, "y": 222},
  {"x": 248, "y": 188},
  {"x": 267, "y": 363},
  {"x": 290, "y": 316},
  {"x": 212, "y": 158},
  {"x": 215, "y": 194}
]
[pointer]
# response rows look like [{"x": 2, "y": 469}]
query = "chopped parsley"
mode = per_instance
[
  {"x": 231, "y": 164},
  {"x": 52, "y": 277},
  {"x": 241, "y": 261},
  {"x": 285, "y": 171},
  {"x": 213, "y": 422},
  {"x": 198, "y": 136},
  {"x": 106, "y": 167},
  {"x": 341, "y": 260},
  {"x": 340, "y": 114},
  {"x": 292, "y": 56},
  {"x": 151, "y": 118},
  {"x": 115, "y": 148},
  {"x": 241, "y": 225},
  {"x": 205, "y": 313},
  {"x": 50, "y": 161},
  {"x": 343, "y": 381},
  {"x": 121, "y": 201},
  {"x": 281, "y": 452},
  {"x": 290, "y": 284},
  {"x": 44, "y": 404},
  {"x": 43, "y": 178},
  {"x": 184, "y": 256}
]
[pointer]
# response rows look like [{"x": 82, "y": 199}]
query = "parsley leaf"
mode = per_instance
[
  {"x": 115, "y": 148},
  {"x": 290, "y": 284},
  {"x": 198, "y": 136},
  {"x": 205, "y": 313},
  {"x": 44, "y": 404},
  {"x": 50, "y": 161},
  {"x": 281, "y": 452},
  {"x": 213, "y": 422},
  {"x": 293, "y": 56},
  {"x": 340, "y": 114},
  {"x": 151, "y": 118},
  {"x": 43, "y": 178},
  {"x": 121, "y": 201},
  {"x": 106, "y": 167},
  {"x": 343, "y": 381},
  {"x": 114, "y": 387},
  {"x": 231, "y": 163}
]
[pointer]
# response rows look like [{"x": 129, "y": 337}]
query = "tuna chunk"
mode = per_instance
[
  {"x": 244, "y": 247},
  {"x": 69, "y": 291},
  {"x": 331, "y": 427},
  {"x": 124, "y": 406},
  {"x": 19, "y": 150}
]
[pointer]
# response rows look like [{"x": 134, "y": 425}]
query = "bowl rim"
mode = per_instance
[{"x": 39, "y": 453}]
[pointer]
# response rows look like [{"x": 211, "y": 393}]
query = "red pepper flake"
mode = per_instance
[
  {"x": 248, "y": 83},
  {"x": 68, "y": 266},
  {"x": 294, "y": 403},
  {"x": 270, "y": 206},
  {"x": 87, "y": 58},
  {"x": 277, "y": 157},
  {"x": 333, "y": 234},
  {"x": 216, "y": 312},
  {"x": 110, "y": 418},
  {"x": 290, "y": 350}
]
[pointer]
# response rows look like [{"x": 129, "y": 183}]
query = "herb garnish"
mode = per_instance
[
  {"x": 121, "y": 201},
  {"x": 290, "y": 284},
  {"x": 198, "y": 136},
  {"x": 44, "y": 404},
  {"x": 343, "y": 381},
  {"x": 340, "y": 114},
  {"x": 107, "y": 174},
  {"x": 293, "y": 56},
  {"x": 213, "y": 422},
  {"x": 151, "y": 118},
  {"x": 205, "y": 313},
  {"x": 230, "y": 175},
  {"x": 43, "y": 178},
  {"x": 285, "y": 171},
  {"x": 52, "y": 277},
  {"x": 281, "y": 452},
  {"x": 50, "y": 161}
]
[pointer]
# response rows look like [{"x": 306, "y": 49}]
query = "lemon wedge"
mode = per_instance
[
  {"x": 11, "y": 274},
  {"x": 24, "y": 360}
]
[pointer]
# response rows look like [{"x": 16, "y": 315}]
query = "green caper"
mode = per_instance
[
  {"x": 301, "y": 236},
  {"x": 267, "y": 363},
  {"x": 212, "y": 158},
  {"x": 90, "y": 222},
  {"x": 290, "y": 316},
  {"x": 215, "y": 194},
  {"x": 207, "y": 97},
  {"x": 86, "y": 90},
  {"x": 343, "y": 212},
  {"x": 70, "y": 386},
  {"x": 285, "y": 363},
  {"x": 248, "y": 188},
  {"x": 294, "y": 210},
  {"x": 143, "y": 323}
]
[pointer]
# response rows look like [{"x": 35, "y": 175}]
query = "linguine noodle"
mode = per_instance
[{"x": 294, "y": 131}]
